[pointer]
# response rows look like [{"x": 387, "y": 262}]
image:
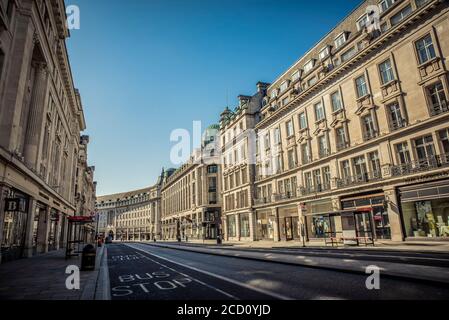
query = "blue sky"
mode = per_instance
[{"x": 146, "y": 67}]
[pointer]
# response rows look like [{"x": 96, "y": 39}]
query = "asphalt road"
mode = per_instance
[{"x": 145, "y": 272}]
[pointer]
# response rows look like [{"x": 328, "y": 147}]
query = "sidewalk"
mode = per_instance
[
  {"x": 43, "y": 278},
  {"x": 416, "y": 272},
  {"x": 410, "y": 246}
]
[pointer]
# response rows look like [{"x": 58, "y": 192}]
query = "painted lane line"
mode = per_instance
[
  {"x": 186, "y": 275},
  {"x": 246, "y": 286}
]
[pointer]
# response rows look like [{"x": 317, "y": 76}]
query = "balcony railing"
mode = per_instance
[
  {"x": 342, "y": 145},
  {"x": 426, "y": 164},
  {"x": 439, "y": 108},
  {"x": 315, "y": 189},
  {"x": 362, "y": 178},
  {"x": 324, "y": 153},
  {"x": 285, "y": 195},
  {"x": 369, "y": 135},
  {"x": 262, "y": 200}
]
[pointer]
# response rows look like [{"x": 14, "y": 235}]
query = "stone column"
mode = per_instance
[
  {"x": 28, "y": 245},
  {"x": 394, "y": 214},
  {"x": 35, "y": 116},
  {"x": 43, "y": 230},
  {"x": 237, "y": 226}
]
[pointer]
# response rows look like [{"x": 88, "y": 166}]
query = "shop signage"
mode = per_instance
[
  {"x": 85, "y": 219},
  {"x": 15, "y": 205}
]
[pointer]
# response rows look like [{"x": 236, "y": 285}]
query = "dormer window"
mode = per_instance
[
  {"x": 309, "y": 65},
  {"x": 386, "y": 4},
  {"x": 340, "y": 40},
  {"x": 284, "y": 85},
  {"x": 274, "y": 94},
  {"x": 362, "y": 22},
  {"x": 295, "y": 76},
  {"x": 324, "y": 53}
]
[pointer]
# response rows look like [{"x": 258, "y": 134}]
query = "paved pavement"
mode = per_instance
[
  {"x": 141, "y": 271},
  {"x": 43, "y": 277}
]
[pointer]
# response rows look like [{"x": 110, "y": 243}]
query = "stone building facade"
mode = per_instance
[
  {"x": 237, "y": 134},
  {"x": 41, "y": 117},
  {"x": 191, "y": 196},
  {"x": 133, "y": 215},
  {"x": 353, "y": 139}
]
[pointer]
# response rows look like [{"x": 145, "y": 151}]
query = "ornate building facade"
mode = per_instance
[
  {"x": 353, "y": 139},
  {"x": 41, "y": 117},
  {"x": 191, "y": 196},
  {"x": 237, "y": 134},
  {"x": 133, "y": 215}
]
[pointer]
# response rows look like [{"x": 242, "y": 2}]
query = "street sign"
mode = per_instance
[{"x": 15, "y": 205}]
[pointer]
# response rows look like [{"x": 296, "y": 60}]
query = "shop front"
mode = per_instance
[
  {"x": 289, "y": 224},
  {"x": 14, "y": 226},
  {"x": 212, "y": 224},
  {"x": 265, "y": 224},
  {"x": 425, "y": 210},
  {"x": 361, "y": 216}
]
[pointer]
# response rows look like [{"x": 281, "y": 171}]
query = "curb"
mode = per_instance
[
  {"x": 102, "y": 289},
  {"x": 392, "y": 275}
]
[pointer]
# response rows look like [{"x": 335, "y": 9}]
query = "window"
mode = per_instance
[
  {"x": 324, "y": 53},
  {"x": 327, "y": 177},
  {"x": 362, "y": 22},
  {"x": 348, "y": 54},
  {"x": 312, "y": 81},
  {"x": 244, "y": 225},
  {"x": 305, "y": 153},
  {"x": 291, "y": 159},
  {"x": 386, "y": 72},
  {"x": 420, "y": 3},
  {"x": 369, "y": 129},
  {"x": 342, "y": 141},
  {"x": 285, "y": 101},
  {"x": 231, "y": 224},
  {"x": 425, "y": 149},
  {"x": 362, "y": 88},
  {"x": 212, "y": 169},
  {"x": 284, "y": 86},
  {"x": 295, "y": 76},
  {"x": 302, "y": 121},
  {"x": 386, "y": 4},
  {"x": 360, "y": 169},
  {"x": 278, "y": 164},
  {"x": 274, "y": 94},
  {"x": 396, "y": 120},
  {"x": 444, "y": 139},
  {"x": 323, "y": 146},
  {"x": 345, "y": 169},
  {"x": 290, "y": 130},
  {"x": 277, "y": 136},
  {"x": 336, "y": 101},
  {"x": 374, "y": 163},
  {"x": 401, "y": 15},
  {"x": 308, "y": 180},
  {"x": 317, "y": 179},
  {"x": 309, "y": 66},
  {"x": 244, "y": 176},
  {"x": 266, "y": 141},
  {"x": 319, "y": 112},
  {"x": 340, "y": 40},
  {"x": 402, "y": 153},
  {"x": 437, "y": 98}
]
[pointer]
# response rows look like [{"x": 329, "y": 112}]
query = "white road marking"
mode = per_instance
[
  {"x": 183, "y": 274},
  {"x": 263, "y": 291}
]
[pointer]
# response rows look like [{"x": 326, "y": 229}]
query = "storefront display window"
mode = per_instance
[
  {"x": 318, "y": 226},
  {"x": 265, "y": 226},
  {"x": 426, "y": 218},
  {"x": 244, "y": 225},
  {"x": 231, "y": 226}
]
